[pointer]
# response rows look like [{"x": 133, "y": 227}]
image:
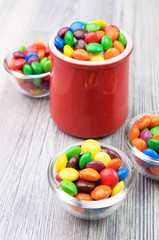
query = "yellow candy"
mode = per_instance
[
  {"x": 91, "y": 145},
  {"x": 61, "y": 163},
  {"x": 69, "y": 174},
  {"x": 36, "y": 91},
  {"x": 102, "y": 157},
  {"x": 101, "y": 23},
  {"x": 68, "y": 51},
  {"x": 96, "y": 57},
  {"x": 118, "y": 188}
]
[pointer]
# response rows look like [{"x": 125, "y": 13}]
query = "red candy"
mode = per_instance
[
  {"x": 92, "y": 37},
  {"x": 109, "y": 177},
  {"x": 31, "y": 48},
  {"x": 19, "y": 63}
]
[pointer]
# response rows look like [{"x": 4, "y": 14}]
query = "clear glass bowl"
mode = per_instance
[
  {"x": 92, "y": 210},
  {"x": 144, "y": 164},
  {"x": 24, "y": 83}
]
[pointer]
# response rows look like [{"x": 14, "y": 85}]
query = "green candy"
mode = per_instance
[
  {"x": 22, "y": 49},
  {"x": 37, "y": 82},
  {"x": 73, "y": 151},
  {"x": 121, "y": 38},
  {"x": 154, "y": 130},
  {"x": 92, "y": 27},
  {"x": 37, "y": 68},
  {"x": 106, "y": 42},
  {"x": 27, "y": 70},
  {"x": 69, "y": 187},
  {"x": 154, "y": 144},
  {"x": 84, "y": 159},
  {"x": 69, "y": 38},
  {"x": 43, "y": 61},
  {"x": 94, "y": 47},
  {"x": 47, "y": 66}
]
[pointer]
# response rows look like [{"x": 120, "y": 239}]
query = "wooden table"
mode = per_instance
[{"x": 29, "y": 137}]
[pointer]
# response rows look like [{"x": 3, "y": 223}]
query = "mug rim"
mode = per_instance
[{"x": 121, "y": 57}]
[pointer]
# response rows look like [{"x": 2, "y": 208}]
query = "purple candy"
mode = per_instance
[
  {"x": 62, "y": 31},
  {"x": 32, "y": 59},
  {"x": 145, "y": 135},
  {"x": 19, "y": 54},
  {"x": 97, "y": 165}
]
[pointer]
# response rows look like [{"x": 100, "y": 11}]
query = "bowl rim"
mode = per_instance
[
  {"x": 112, "y": 61},
  {"x": 90, "y": 204},
  {"x": 128, "y": 142},
  {"x": 19, "y": 75}
]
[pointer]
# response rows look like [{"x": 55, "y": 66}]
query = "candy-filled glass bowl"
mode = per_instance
[
  {"x": 97, "y": 209},
  {"x": 36, "y": 86},
  {"x": 144, "y": 164}
]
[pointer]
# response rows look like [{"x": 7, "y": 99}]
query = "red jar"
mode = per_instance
[{"x": 89, "y": 99}]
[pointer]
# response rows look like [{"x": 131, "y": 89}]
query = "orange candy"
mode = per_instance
[
  {"x": 81, "y": 54},
  {"x": 134, "y": 132},
  {"x": 49, "y": 57},
  {"x": 155, "y": 170},
  {"x": 41, "y": 53},
  {"x": 101, "y": 192},
  {"x": 101, "y": 33},
  {"x": 154, "y": 122},
  {"x": 89, "y": 174},
  {"x": 139, "y": 143},
  {"x": 118, "y": 45},
  {"x": 110, "y": 53},
  {"x": 115, "y": 163},
  {"x": 84, "y": 196},
  {"x": 112, "y": 33},
  {"x": 144, "y": 122},
  {"x": 39, "y": 45},
  {"x": 156, "y": 136},
  {"x": 10, "y": 64}
]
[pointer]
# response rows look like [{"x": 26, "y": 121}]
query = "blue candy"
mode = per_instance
[
  {"x": 76, "y": 25},
  {"x": 59, "y": 43},
  {"x": 122, "y": 173},
  {"x": 95, "y": 211},
  {"x": 151, "y": 153},
  {"x": 29, "y": 55}
]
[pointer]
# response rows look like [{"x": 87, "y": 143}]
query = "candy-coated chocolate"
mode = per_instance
[
  {"x": 151, "y": 153},
  {"x": 37, "y": 68},
  {"x": 32, "y": 59},
  {"x": 10, "y": 64},
  {"x": 73, "y": 162},
  {"x": 19, "y": 54},
  {"x": 36, "y": 91},
  {"x": 143, "y": 122},
  {"x": 59, "y": 43},
  {"x": 123, "y": 173},
  {"x": 76, "y": 25},
  {"x": 154, "y": 130},
  {"x": 92, "y": 37},
  {"x": 101, "y": 33},
  {"x": 69, "y": 174},
  {"x": 22, "y": 49},
  {"x": 93, "y": 27},
  {"x": 156, "y": 136},
  {"x": 31, "y": 48},
  {"x": 80, "y": 33},
  {"x": 109, "y": 177},
  {"x": 155, "y": 170},
  {"x": 101, "y": 192},
  {"x": 134, "y": 132},
  {"x": 106, "y": 42},
  {"x": 68, "y": 51},
  {"x": 19, "y": 63},
  {"x": 111, "y": 53},
  {"x": 97, "y": 165},
  {"x": 43, "y": 61},
  {"x": 84, "y": 159},
  {"x": 84, "y": 196},
  {"x": 102, "y": 23},
  {"x": 62, "y": 31},
  {"x": 154, "y": 144},
  {"x": 94, "y": 47},
  {"x": 69, "y": 187},
  {"x": 154, "y": 122},
  {"x": 73, "y": 151},
  {"x": 41, "y": 53},
  {"x": 114, "y": 163},
  {"x": 102, "y": 157},
  {"x": 90, "y": 145},
  {"x": 85, "y": 186},
  {"x": 47, "y": 66},
  {"x": 27, "y": 70},
  {"x": 69, "y": 38},
  {"x": 90, "y": 174},
  {"x": 145, "y": 135},
  {"x": 37, "y": 81},
  {"x": 31, "y": 54},
  {"x": 121, "y": 38},
  {"x": 118, "y": 45},
  {"x": 140, "y": 144},
  {"x": 81, "y": 54},
  {"x": 39, "y": 45},
  {"x": 118, "y": 188},
  {"x": 58, "y": 179},
  {"x": 80, "y": 44},
  {"x": 61, "y": 163},
  {"x": 112, "y": 33},
  {"x": 96, "y": 57},
  {"x": 111, "y": 26}
]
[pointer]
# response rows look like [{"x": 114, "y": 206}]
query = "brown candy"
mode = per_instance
[
  {"x": 73, "y": 162},
  {"x": 80, "y": 33},
  {"x": 80, "y": 44},
  {"x": 85, "y": 186}
]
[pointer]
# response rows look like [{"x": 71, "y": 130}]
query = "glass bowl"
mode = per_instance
[
  {"x": 144, "y": 164},
  {"x": 24, "y": 83},
  {"x": 92, "y": 210}
]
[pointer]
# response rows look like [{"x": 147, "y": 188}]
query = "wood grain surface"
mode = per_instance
[{"x": 29, "y": 138}]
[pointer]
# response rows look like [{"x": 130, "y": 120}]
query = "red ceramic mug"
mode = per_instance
[{"x": 89, "y": 99}]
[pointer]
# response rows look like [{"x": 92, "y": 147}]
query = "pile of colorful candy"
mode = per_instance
[
  {"x": 95, "y": 41},
  {"x": 89, "y": 174},
  {"x": 32, "y": 60},
  {"x": 145, "y": 137}
]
